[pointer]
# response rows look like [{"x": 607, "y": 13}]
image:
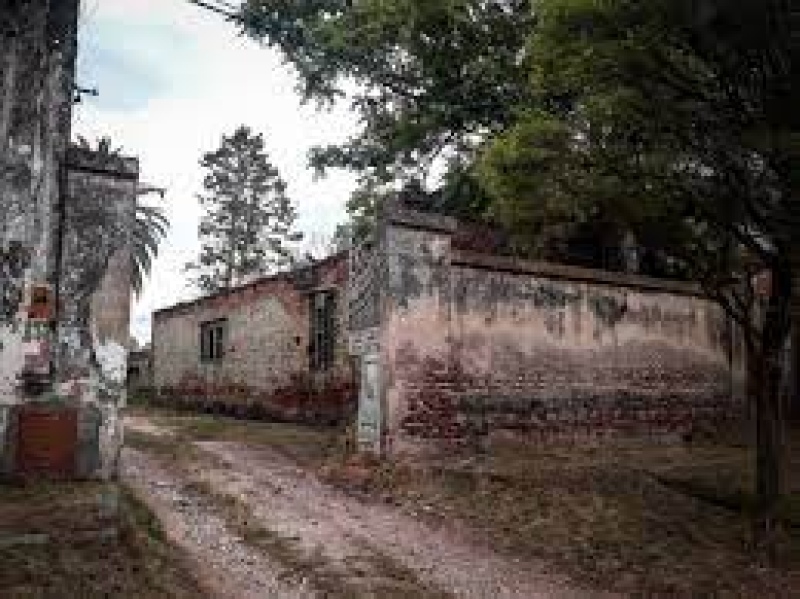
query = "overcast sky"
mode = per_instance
[{"x": 172, "y": 80}]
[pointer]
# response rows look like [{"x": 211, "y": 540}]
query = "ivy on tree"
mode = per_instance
[{"x": 248, "y": 219}]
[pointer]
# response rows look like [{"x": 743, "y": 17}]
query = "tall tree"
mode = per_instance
[
  {"x": 679, "y": 117},
  {"x": 248, "y": 217}
]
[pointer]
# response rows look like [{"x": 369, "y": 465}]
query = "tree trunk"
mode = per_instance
[
  {"x": 794, "y": 383},
  {"x": 767, "y": 370}
]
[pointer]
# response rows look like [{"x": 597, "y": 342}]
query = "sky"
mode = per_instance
[{"x": 172, "y": 79}]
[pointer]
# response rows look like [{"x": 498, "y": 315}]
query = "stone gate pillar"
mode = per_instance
[{"x": 364, "y": 285}]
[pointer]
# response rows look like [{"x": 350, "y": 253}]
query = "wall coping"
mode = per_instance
[
  {"x": 285, "y": 276},
  {"x": 398, "y": 215},
  {"x": 572, "y": 273},
  {"x": 84, "y": 160},
  {"x": 427, "y": 221}
]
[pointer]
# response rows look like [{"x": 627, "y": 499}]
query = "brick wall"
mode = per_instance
[
  {"x": 474, "y": 345},
  {"x": 265, "y": 368}
]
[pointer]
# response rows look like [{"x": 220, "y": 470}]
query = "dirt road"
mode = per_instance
[{"x": 259, "y": 525}]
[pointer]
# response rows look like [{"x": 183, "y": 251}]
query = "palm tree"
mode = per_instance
[
  {"x": 149, "y": 228},
  {"x": 150, "y": 224}
]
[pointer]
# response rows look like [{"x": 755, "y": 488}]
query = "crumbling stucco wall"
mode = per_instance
[
  {"x": 265, "y": 367},
  {"x": 65, "y": 222},
  {"x": 94, "y": 300},
  {"x": 474, "y": 345},
  {"x": 37, "y": 49},
  {"x": 37, "y": 57}
]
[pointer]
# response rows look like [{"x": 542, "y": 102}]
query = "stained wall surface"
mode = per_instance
[
  {"x": 37, "y": 52},
  {"x": 94, "y": 300},
  {"x": 474, "y": 346},
  {"x": 265, "y": 368},
  {"x": 65, "y": 221}
]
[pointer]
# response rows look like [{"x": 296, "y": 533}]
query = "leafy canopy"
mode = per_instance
[
  {"x": 428, "y": 79},
  {"x": 678, "y": 117}
]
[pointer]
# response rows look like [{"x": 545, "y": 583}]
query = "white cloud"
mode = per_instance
[{"x": 212, "y": 81}]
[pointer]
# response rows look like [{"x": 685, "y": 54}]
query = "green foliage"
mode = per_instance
[
  {"x": 680, "y": 118},
  {"x": 248, "y": 217},
  {"x": 428, "y": 79},
  {"x": 362, "y": 210},
  {"x": 149, "y": 228},
  {"x": 674, "y": 116},
  {"x": 150, "y": 224}
]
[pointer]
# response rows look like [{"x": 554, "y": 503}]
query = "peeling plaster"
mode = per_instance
[
  {"x": 471, "y": 344},
  {"x": 113, "y": 359}
]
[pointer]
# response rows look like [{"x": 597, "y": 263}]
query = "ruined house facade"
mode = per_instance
[
  {"x": 274, "y": 348},
  {"x": 65, "y": 221},
  {"x": 456, "y": 347}
]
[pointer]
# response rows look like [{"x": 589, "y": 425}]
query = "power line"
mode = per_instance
[
  {"x": 228, "y": 5},
  {"x": 227, "y": 10}
]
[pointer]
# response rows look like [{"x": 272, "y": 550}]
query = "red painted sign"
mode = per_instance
[
  {"x": 42, "y": 303},
  {"x": 47, "y": 441}
]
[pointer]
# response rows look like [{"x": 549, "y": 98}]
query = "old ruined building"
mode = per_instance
[
  {"x": 273, "y": 348},
  {"x": 65, "y": 222},
  {"x": 456, "y": 347}
]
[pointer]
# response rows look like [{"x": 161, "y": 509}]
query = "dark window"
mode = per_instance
[
  {"x": 323, "y": 330},
  {"x": 212, "y": 340}
]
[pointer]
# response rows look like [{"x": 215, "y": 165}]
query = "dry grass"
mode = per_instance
[
  {"x": 136, "y": 563},
  {"x": 305, "y": 444},
  {"x": 639, "y": 519}
]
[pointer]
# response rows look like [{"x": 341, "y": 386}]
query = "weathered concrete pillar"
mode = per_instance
[
  {"x": 65, "y": 223},
  {"x": 94, "y": 301},
  {"x": 38, "y": 40}
]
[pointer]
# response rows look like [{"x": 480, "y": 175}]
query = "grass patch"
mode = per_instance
[
  {"x": 136, "y": 563},
  {"x": 396, "y": 581},
  {"x": 305, "y": 444},
  {"x": 614, "y": 517}
]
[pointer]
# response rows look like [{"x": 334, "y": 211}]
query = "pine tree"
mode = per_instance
[{"x": 248, "y": 218}]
